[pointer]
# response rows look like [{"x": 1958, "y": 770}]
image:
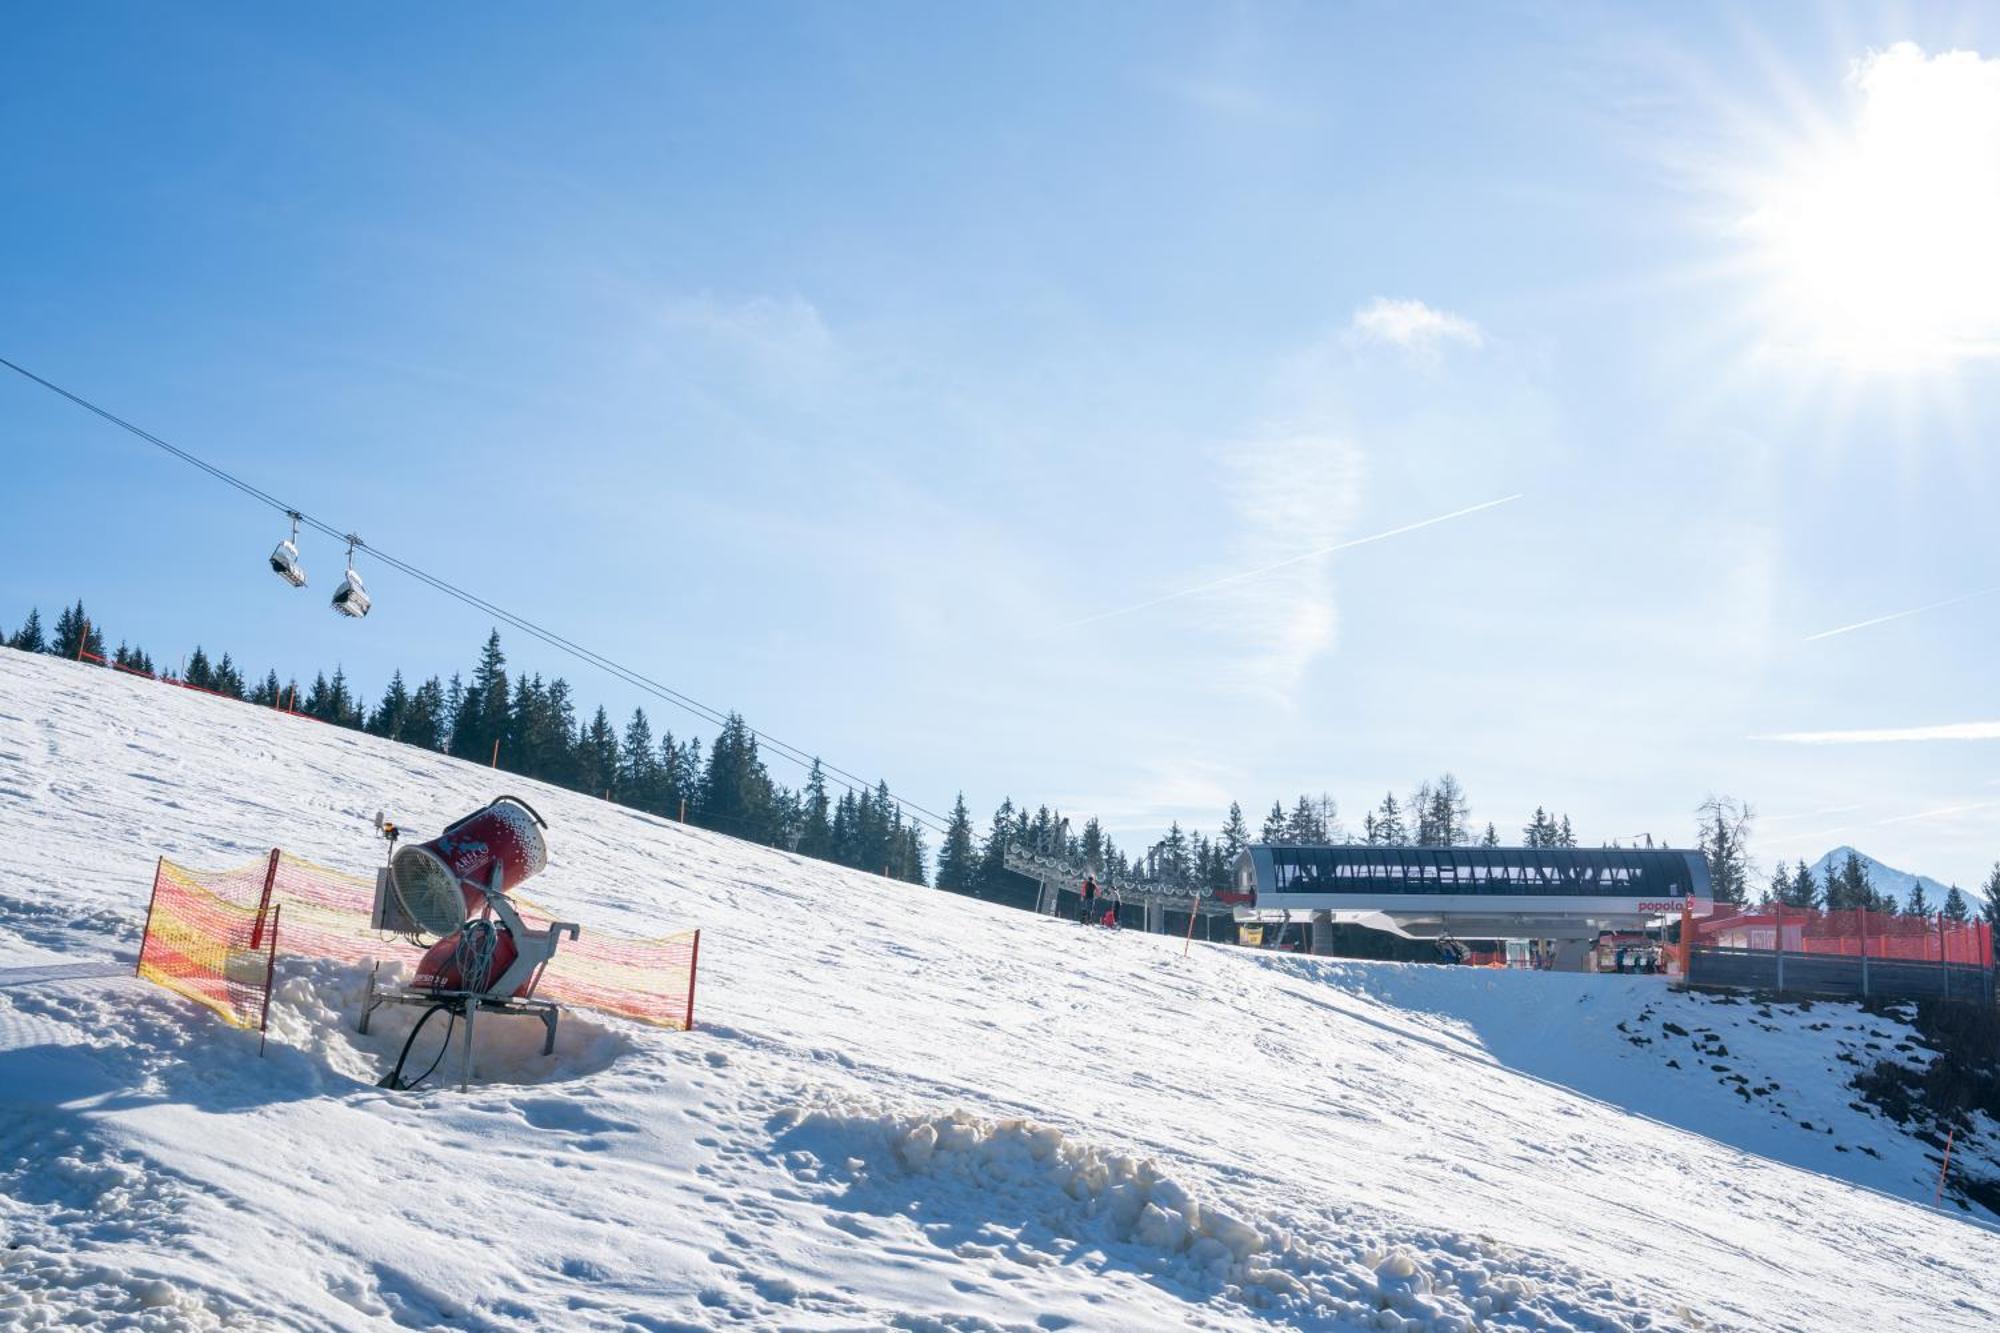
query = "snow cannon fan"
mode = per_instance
[{"x": 452, "y": 888}]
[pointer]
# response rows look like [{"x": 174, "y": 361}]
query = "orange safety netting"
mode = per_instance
[
  {"x": 1852, "y": 933},
  {"x": 286, "y": 703},
  {"x": 214, "y": 951},
  {"x": 326, "y": 915}
]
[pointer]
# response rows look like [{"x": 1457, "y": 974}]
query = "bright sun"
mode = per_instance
[{"x": 1881, "y": 242}]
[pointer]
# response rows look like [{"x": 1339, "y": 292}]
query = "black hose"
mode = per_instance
[{"x": 393, "y": 1080}]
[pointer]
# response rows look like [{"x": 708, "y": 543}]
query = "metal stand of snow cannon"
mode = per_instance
[{"x": 512, "y": 991}]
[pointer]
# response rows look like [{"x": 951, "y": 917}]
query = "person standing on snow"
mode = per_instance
[{"x": 1083, "y": 911}]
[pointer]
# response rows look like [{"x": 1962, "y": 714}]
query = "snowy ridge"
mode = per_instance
[
  {"x": 900, "y": 1109},
  {"x": 1886, "y": 878}
]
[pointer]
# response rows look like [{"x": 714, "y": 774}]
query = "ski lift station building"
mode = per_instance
[{"x": 1567, "y": 895}]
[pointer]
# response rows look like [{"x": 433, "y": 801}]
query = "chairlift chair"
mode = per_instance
[
  {"x": 285, "y": 559},
  {"x": 351, "y": 598}
]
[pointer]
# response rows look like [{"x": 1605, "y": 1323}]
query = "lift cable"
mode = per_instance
[{"x": 936, "y": 822}]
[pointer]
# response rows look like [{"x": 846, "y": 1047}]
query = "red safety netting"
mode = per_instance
[
  {"x": 326, "y": 915},
  {"x": 1853, "y": 933},
  {"x": 286, "y": 702},
  {"x": 215, "y": 951}
]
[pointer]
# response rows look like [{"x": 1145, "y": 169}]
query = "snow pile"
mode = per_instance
[
  {"x": 1027, "y": 1193},
  {"x": 899, "y": 1108},
  {"x": 315, "y": 1003}
]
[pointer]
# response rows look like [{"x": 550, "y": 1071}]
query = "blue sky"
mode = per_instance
[{"x": 848, "y": 365}]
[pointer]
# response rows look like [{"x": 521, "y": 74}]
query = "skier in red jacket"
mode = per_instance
[{"x": 1084, "y": 913}]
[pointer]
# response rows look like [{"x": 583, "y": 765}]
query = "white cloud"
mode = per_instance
[
  {"x": 1950, "y": 731},
  {"x": 1411, "y": 326},
  {"x": 1289, "y": 493}
]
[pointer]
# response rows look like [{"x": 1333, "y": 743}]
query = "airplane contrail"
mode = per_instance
[
  {"x": 1939, "y": 812},
  {"x": 1289, "y": 560},
  {"x": 1949, "y": 731},
  {"x": 1901, "y": 615}
]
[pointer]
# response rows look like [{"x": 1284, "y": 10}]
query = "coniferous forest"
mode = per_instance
[{"x": 522, "y": 723}]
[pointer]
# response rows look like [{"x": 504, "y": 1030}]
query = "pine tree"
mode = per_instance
[
  {"x": 846, "y": 830},
  {"x": 1989, "y": 908},
  {"x": 560, "y": 760},
  {"x": 958, "y": 861},
  {"x": 1565, "y": 836},
  {"x": 1848, "y": 887},
  {"x": 1304, "y": 828},
  {"x": 597, "y": 756},
  {"x": 993, "y": 874},
  {"x": 786, "y": 818},
  {"x": 392, "y": 714},
  {"x": 1175, "y": 860},
  {"x": 1540, "y": 831},
  {"x": 29, "y": 637},
  {"x": 735, "y": 793},
  {"x": 199, "y": 673},
  {"x": 228, "y": 680},
  {"x": 816, "y": 826},
  {"x": 875, "y": 830},
  {"x": 1492, "y": 838},
  {"x": 425, "y": 725},
  {"x": 1090, "y": 847},
  {"x": 343, "y": 708},
  {"x": 908, "y": 862},
  {"x": 677, "y": 768},
  {"x": 267, "y": 693},
  {"x": 75, "y": 633},
  {"x": 1780, "y": 888},
  {"x": 317, "y": 703},
  {"x": 1389, "y": 830},
  {"x": 1273, "y": 832},
  {"x": 454, "y": 710},
  {"x": 1919, "y": 903},
  {"x": 1801, "y": 891},
  {"x": 1955, "y": 908},
  {"x": 1235, "y": 834},
  {"x": 531, "y": 744},
  {"x": 639, "y": 765},
  {"x": 482, "y": 713}
]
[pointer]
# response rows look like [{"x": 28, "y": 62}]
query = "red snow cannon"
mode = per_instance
[
  {"x": 455, "y": 889},
  {"x": 499, "y": 847}
]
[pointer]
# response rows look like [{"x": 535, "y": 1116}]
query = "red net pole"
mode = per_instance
[
  {"x": 264, "y": 903},
  {"x": 694, "y": 960},
  {"x": 151, "y": 899},
  {"x": 270, "y": 971}
]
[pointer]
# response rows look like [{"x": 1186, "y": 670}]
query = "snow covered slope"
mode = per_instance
[
  {"x": 902, "y": 1109},
  {"x": 1886, "y": 879}
]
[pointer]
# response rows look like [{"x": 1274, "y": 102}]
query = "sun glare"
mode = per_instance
[{"x": 1882, "y": 242}]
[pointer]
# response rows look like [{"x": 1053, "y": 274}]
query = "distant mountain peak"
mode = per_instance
[{"x": 1886, "y": 878}]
